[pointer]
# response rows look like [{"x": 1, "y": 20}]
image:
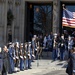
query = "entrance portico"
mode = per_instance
[{"x": 19, "y": 10}]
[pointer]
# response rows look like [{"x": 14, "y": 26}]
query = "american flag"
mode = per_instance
[{"x": 68, "y": 18}]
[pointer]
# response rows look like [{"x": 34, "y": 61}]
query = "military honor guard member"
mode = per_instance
[
  {"x": 1, "y": 60},
  {"x": 17, "y": 56},
  {"x": 25, "y": 57},
  {"x": 29, "y": 55},
  {"x": 21, "y": 58},
  {"x": 5, "y": 60},
  {"x": 34, "y": 46},
  {"x": 62, "y": 47},
  {"x": 11, "y": 60},
  {"x": 70, "y": 43},
  {"x": 54, "y": 52},
  {"x": 14, "y": 56}
]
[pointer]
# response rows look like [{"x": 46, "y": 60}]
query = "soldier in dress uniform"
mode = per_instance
[
  {"x": 5, "y": 60},
  {"x": 21, "y": 57},
  {"x": 11, "y": 60},
  {"x": 33, "y": 55},
  {"x": 54, "y": 53},
  {"x": 1, "y": 60},
  {"x": 34, "y": 46},
  {"x": 25, "y": 56},
  {"x": 45, "y": 40},
  {"x": 41, "y": 44},
  {"x": 29, "y": 55},
  {"x": 17, "y": 56},
  {"x": 14, "y": 56},
  {"x": 70, "y": 43},
  {"x": 62, "y": 47},
  {"x": 58, "y": 44},
  {"x": 38, "y": 50}
]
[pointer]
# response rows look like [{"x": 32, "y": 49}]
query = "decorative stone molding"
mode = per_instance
[
  {"x": 2, "y": 1},
  {"x": 17, "y": 2},
  {"x": 10, "y": 1},
  {"x": 17, "y": 27}
]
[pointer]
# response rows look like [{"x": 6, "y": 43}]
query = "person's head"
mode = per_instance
[
  {"x": 58, "y": 34},
  {"x": 17, "y": 45},
  {"x": 29, "y": 44},
  {"x": 33, "y": 39},
  {"x": 62, "y": 36},
  {"x": 46, "y": 34},
  {"x": 21, "y": 45},
  {"x": 69, "y": 38},
  {"x": 55, "y": 35},
  {"x": 65, "y": 31},
  {"x": 5, "y": 48},
  {"x": 71, "y": 50},
  {"x": 51, "y": 33}
]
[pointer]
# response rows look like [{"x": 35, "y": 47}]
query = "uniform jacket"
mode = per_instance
[{"x": 5, "y": 59}]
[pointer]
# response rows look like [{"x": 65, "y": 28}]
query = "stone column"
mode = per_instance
[
  {"x": 56, "y": 6},
  {"x": 22, "y": 19},
  {"x": 13, "y": 21},
  {"x": 5, "y": 24}
]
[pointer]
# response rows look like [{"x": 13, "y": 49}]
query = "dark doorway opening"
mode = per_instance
[
  {"x": 38, "y": 19},
  {"x": 10, "y": 36}
]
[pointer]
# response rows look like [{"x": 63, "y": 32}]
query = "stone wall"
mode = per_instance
[
  {"x": 3, "y": 21},
  {"x": 18, "y": 8}
]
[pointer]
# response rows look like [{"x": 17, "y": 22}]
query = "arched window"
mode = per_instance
[{"x": 10, "y": 17}]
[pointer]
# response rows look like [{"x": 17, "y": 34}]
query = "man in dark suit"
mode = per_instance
[{"x": 5, "y": 60}]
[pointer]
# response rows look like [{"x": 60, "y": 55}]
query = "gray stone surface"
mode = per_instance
[{"x": 44, "y": 67}]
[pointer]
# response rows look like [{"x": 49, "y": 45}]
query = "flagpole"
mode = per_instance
[{"x": 63, "y": 6}]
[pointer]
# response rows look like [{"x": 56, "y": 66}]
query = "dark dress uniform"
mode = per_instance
[
  {"x": 54, "y": 52},
  {"x": 11, "y": 60},
  {"x": 5, "y": 62},
  {"x": 17, "y": 59},
  {"x": 21, "y": 60},
  {"x": 69, "y": 68},
  {"x": 73, "y": 62},
  {"x": 62, "y": 48},
  {"x": 25, "y": 58},
  {"x": 29, "y": 54}
]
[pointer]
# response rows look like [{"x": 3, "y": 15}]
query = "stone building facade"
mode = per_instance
[{"x": 19, "y": 10}]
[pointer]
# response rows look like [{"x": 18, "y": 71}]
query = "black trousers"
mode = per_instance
[
  {"x": 17, "y": 63},
  {"x": 4, "y": 72}
]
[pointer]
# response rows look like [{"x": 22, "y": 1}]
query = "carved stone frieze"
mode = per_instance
[
  {"x": 2, "y": 1},
  {"x": 10, "y": 1},
  {"x": 17, "y": 2}
]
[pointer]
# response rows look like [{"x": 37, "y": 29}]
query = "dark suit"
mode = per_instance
[
  {"x": 62, "y": 48},
  {"x": 5, "y": 62}
]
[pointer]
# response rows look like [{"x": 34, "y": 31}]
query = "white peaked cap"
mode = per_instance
[
  {"x": 35, "y": 36},
  {"x": 22, "y": 44},
  {"x": 17, "y": 44},
  {"x": 10, "y": 43},
  {"x": 13, "y": 45},
  {"x": 55, "y": 34},
  {"x": 69, "y": 37},
  {"x": 5, "y": 47},
  {"x": 29, "y": 42}
]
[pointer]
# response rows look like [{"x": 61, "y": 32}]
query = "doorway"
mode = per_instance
[{"x": 38, "y": 19}]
